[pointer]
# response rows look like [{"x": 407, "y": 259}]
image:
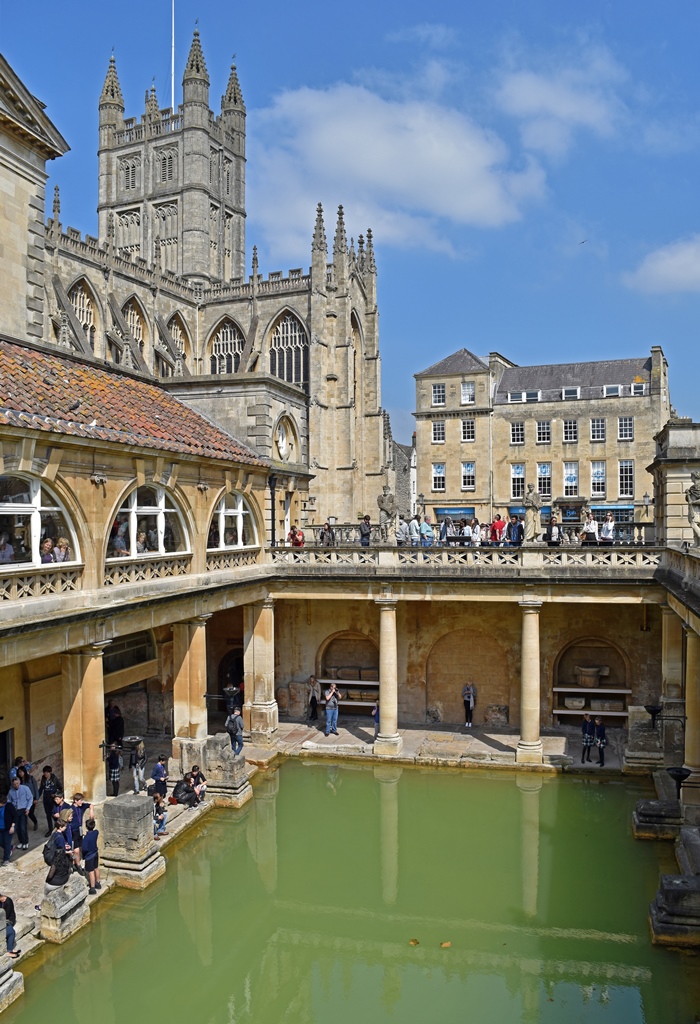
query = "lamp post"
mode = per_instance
[{"x": 421, "y": 503}]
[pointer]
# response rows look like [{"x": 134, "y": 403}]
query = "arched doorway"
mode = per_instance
[
  {"x": 230, "y": 670},
  {"x": 467, "y": 655}
]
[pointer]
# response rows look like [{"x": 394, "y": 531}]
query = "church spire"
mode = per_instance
[
  {"x": 319, "y": 243},
  {"x": 370, "y": 264},
  {"x": 152, "y": 108},
  {"x": 361, "y": 253},
  {"x": 233, "y": 97},
  {"x": 196, "y": 68},
  {"x": 340, "y": 242},
  {"x": 112, "y": 90}
]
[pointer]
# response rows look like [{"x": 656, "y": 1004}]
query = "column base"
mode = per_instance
[
  {"x": 264, "y": 722},
  {"x": 388, "y": 746},
  {"x": 529, "y": 753},
  {"x": 690, "y": 790}
]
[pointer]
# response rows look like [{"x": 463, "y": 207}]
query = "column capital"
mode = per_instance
[
  {"x": 194, "y": 620},
  {"x": 386, "y": 602},
  {"x": 93, "y": 650},
  {"x": 530, "y": 604},
  {"x": 666, "y": 609}
]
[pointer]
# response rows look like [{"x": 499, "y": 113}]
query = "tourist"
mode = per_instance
[
  {"x": 365, "y": 532},
  {"x": 588, "y": 732},
  {"x": 62, "y": 551},
  {"x": 7, "y": 552},
  {"x": 314, "y": 698},
  {"x": 589, "y": 533},
  {"x": 92, "y": 857},
  {"x": 234, "y": 727},
  {"x": 46, "y": 551},
  {"x": 327, "y": 536},
  {"x": 484, "y": 535},
  {"x": 554, "y": 533},
  {"x": 447, "y": 531},
  {"x": 469, "y": 698},
  {"x": 141, "y": 543},
  {"x": 465, "y": 533},
  {"x": 115, "y": 764},
  {"x": 19, "y": 762},
  {"x": 414, "y": 531},
  {"x": 137, "y": 764},
  {"x": 115, "y": 723},
  {"x": 199, "y": 782},
  {"x": 48, "y": 787},
  {"x": 475, "y": 533},
  {"x": 27, "y": 779},
  {"x": 295, "y": 537},
  {"x": 59, "y": 804},
  {"x": 82, "y": 813},
  {"x": 160, "y": 776},
  {"x": 607, "y": 529},
  {"x": 426, "y": 533},
  {"x": 7, "y": 828},
  {"x": 515, "y": 531},
  {"x": 403, "y": 533},
  {"x": 600, "y": 740},
  {"x": 375, "y": 718},
  {"x": 497, "y": 530},
  {"x": 8, "y": 906},
  {"x": 333, "y": 695},
  {"x": 184, "y": 793},
  {"x": 20, "y": 796},
  {"x": 58, "y": 856},
  {"x": 160, "y": 815}
]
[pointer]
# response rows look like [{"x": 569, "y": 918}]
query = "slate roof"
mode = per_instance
[
  {"x": 57, "y": 394},
  {"x": 550, "y": 378},
  {"x": 462, "y": 361}
]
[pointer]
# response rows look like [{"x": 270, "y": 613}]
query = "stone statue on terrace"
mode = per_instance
[
  {"x": 533, "y": 504},
  {"x": 387, "y": 513},
  {"x": 692, "y": 496}
]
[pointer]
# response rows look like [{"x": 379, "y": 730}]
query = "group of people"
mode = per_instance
[
  {"x": 50, "y": 550},
  {"x": 593, "y": 736}
]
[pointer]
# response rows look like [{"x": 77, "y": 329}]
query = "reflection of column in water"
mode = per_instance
[
  {"x": 262, "y": 828},
  {"x": 531, "y": 990},
  {"x": 391, "y": 988},
  {"x": 388, "y": 776},
  {"x": 194, "y": 897},
  {"x": 530, "y": 786}
]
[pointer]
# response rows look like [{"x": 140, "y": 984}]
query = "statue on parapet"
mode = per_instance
[
  {"x": 387, "y": 514},
  {"x": 692, "y": 496},
  {"x": 533, "y": 505}
]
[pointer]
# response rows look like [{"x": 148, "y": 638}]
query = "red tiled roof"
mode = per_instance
[{"x": 54, "y": 393}]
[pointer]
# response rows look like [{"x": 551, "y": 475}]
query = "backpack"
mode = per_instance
[
  {"x": 230, "y": 725},
  {"x": 50, "y": 850}
]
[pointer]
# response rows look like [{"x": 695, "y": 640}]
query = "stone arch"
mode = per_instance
[
  {"x": 488, "y": 666},
  {"x": 87, "y": 308},
  {"x": 288, "y": 347},
  {"x": 590, "y": 651},
  {"x": 137, "y": 320},
  {"x": 225, "y": 346},
  {"x": 349, "y": 649}
]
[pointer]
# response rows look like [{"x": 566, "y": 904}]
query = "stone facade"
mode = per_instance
[{"x": 676, "y": 459}]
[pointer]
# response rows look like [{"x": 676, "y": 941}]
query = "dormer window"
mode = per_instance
[
  {"x": 570, "y": 394},
  {"x": 612, "y": 391},
  {"x": 515, "y": 396},
  {"x": 532, "y": 396},
  {"x": 638, "y": 390}
]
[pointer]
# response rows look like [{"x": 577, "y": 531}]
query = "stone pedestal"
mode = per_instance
[
  {"x": 11, "y": 982},
  {"x": 643, "y": 752},
  {"x": 226, "y": 775},
  {"x": 129, "y": 850},
  {"x": 674, "y": 916},
  {"x": 657, "y": 819},
  {"x": 64, "y": 911}
]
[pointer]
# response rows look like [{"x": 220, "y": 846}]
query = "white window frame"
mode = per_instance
[
  {"x": 468, "y": 388},
  {"x": 621, "y": 431},
  {"x": 533, "y": 396},
  {"x": 517, "y": 432},
  {"x": 544, "y": 427},
  {"x": 164, "y": 502},
  {"x": 237, "y": 517},
  {"x": 514, "y": 397},
  {"x": 468, "y": 428},
  {"x": 598, "y": 478},
  {"x": 602, "y": 431},
  {"x": 612, "y": 391},
  {"x": 638, "y": 390},
  {"x": 438, "y": 429},
  {"x": 437, "y": 477},
  {"x": 544, "y": 473},
  {"x": 439, "y": 395},
  {"x": 566, "y": 425},
  {"x": 570, "y": 394},
  {"x": 625, "y": 466},
  {"x": 469, "y": 476},
  {"x": 571, "y": 489},
  {"x": 517, "y": 480},
  {"x": 41, "y": 502}
]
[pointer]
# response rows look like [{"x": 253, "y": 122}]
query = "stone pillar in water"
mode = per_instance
[
  {"x": 529, "y": 750},
  {"x": 11, "y": 982},
  {"x": 388, "y": 742},
  {"x": 190, "y": 679},
  {"x": 128, "y": 848},
  {"x": 260, "y": 713},
  {"x": 690, "y": 793},
  {"x": 65, "y": 910},
  {"x": 226, "y": 775},
  {"x": 82, "y": 687},
  {"x": 530, "y": 785},
  {"x": 388, "y": 777}
]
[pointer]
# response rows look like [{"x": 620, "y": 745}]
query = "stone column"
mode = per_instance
[
  {"x": 190, "y": 679},
  {"x": 690, "y": 793},
  {"x": 259, "y": 670},
  {"x": 82, "y": 685},
  {"x": 672, "y": 701},
  {"x": 529, "y": 750},
  {"x": 388, "y": 742}
]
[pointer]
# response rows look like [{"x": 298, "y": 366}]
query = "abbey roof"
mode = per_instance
[{"x": 61, "y": 395}]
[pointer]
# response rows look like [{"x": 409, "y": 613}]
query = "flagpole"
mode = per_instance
[{"x": 172, "y": 56}]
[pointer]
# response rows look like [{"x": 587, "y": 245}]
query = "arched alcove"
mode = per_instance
[
  {"x": 348, "y": 653},
  {"x": 607, "y": 679}
]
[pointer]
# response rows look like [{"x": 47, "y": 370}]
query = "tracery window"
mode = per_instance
[
  {"x": 34, "y": 528},
  {"x": 135, "y": 321},
  {"x": 129, "y": 231},
  {"x": 232, "y": 524},
  {"x": 128, "y": 172},
  {"x": 289, "y": 351},
  {"x": 147, "y": 523},
  {"x": 166, "y": 166},
  {"x": 226, "y": 349},
  {"x": 179, "y": 336},
  {"x": 83, "y": 307}
]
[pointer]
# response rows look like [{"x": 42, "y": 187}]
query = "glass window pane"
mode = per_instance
[
  {"x": 148, "y": 526},
  {"x": 54, "y": 528},
  {"x": 119, "y": 544},
  {"x": 14, "y": 491},
  {"x": 173, "y": 539},
  {"x": 232, "y": 501},
  {"x": 146, "y": 497},
  {"x": 15, "y": 538}
]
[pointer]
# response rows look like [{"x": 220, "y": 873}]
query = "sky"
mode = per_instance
[{"x": 529, "y": 169}]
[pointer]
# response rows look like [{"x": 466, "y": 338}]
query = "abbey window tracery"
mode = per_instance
[
  {"x": 135, "y": 321},
  {"x": 227, "y": 348},
  {"x": 289, "y": 351},
  {"x": 83, "y": 307},
  {"x": 129, "y": 232}
]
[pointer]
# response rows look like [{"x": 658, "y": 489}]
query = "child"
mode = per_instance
[
  {"x": 92, "y": 858},
  {"x": 80, "y": 813},
  {"x": 600, "y": 740},
  {"x": 588, "y": 733},
  {"x": 160, "y": 816}
]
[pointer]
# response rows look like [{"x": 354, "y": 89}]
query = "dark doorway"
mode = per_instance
[
  {"x": 7, "y": 753},
  {"x": 230, "y": 671}
]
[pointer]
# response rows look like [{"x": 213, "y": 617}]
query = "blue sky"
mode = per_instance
[{"x": 529, "y": 169}]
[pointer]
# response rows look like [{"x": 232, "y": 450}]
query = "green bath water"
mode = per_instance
[{"x": 301, "y": 909}]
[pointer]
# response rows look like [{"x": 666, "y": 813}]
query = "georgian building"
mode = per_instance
[{"x": 581, "y": 433}]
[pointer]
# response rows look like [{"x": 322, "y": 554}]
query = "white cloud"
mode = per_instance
[
  {"x": 409, "y": 167},
  {"x": 671, "y": 268},
  {"x": 430, "y": 34},
  {"x": 573, "y": 93}
]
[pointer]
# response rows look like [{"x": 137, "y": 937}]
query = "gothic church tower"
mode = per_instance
[{"x": 172, "y": 186}]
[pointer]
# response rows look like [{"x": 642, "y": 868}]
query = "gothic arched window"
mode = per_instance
[
  {"x": 84, "y": 309},
  {"x": 178, "y": 332},
  {"x": 227, "y": 348},
  {"x": 135, "y": 321},
  {"x": 289, "y": 350},
  {"x": 34, "y": 528}
]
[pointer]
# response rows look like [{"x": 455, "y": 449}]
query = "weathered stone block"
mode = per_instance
[
  {"x": 688, "y": 851},
  {"x": 129, "y": 850},
  {"x": 65, "y": 910},
  {"x": 496, "y": 714},
  {"x": 11, "y": 982},
  {"x": 226, "y": 775},
  {"x": 657, "y": 819},
  {"x": 674, "y": 915}
]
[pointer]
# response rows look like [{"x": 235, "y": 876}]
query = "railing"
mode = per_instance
[
  {"x": 232, "y": 559},
  {"x": 685, "y": 565},
  {"x": 157, "y": 567},
  {"x": 325, "y": 556},
  {"x": 18, "y": 584}
]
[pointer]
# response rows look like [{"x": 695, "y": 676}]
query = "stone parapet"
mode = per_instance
[
  {"x": 65, "y": 910},
  {"x": 129, "y": 850},
  {"x": 11, "y": 982},
  {"x": 226, "y": 774}
]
